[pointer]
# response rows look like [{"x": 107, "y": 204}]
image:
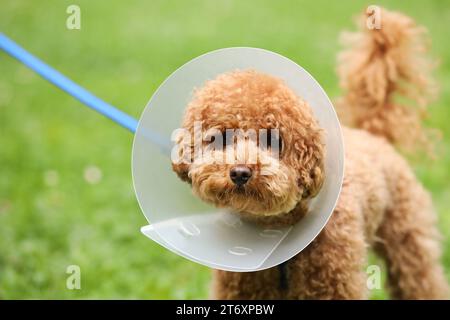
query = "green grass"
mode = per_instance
[{"x": 122, "y": 53}]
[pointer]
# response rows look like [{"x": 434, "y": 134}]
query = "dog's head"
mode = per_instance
[{"x": 250, "y": 144}]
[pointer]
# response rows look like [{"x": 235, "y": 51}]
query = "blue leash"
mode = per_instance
[
  {"x": 67, "y": 85},
  {"x": 78, "y": 92}
]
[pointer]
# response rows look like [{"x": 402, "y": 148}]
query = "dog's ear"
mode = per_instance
[
  {"x": 311, "y": 176},
  {"x": 307, "y": 155},
  {"x": 181, "y": 155},
  {"x": 182, "y": 171},
  {"x": 313, "y": 182}
]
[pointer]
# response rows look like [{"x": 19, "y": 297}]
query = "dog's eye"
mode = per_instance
[
  {"x": 280, "y": 144},
  {"x": 227, "y": 141},
  {"x": 273, "y": 140},
  {"x": 223, "y": 137}
]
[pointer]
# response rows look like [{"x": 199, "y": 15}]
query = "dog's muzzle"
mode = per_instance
[{"x": 240, "y": 175}]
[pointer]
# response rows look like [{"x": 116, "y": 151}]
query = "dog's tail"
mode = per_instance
[{"x": 385, "y": 76}]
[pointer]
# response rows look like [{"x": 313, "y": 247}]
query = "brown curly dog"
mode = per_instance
[{"x": 382, "y": 205}]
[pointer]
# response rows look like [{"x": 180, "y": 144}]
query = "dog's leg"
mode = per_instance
[
  {"x": 246, "y": 285},
  {"x": 331, "y": 267},
  {"x": 409, "y": 243}
]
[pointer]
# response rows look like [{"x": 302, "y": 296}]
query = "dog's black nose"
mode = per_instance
[{"x": 240, "y": 175}]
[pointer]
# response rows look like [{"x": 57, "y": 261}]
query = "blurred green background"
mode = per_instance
[{"x": 66, "y": 195}]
